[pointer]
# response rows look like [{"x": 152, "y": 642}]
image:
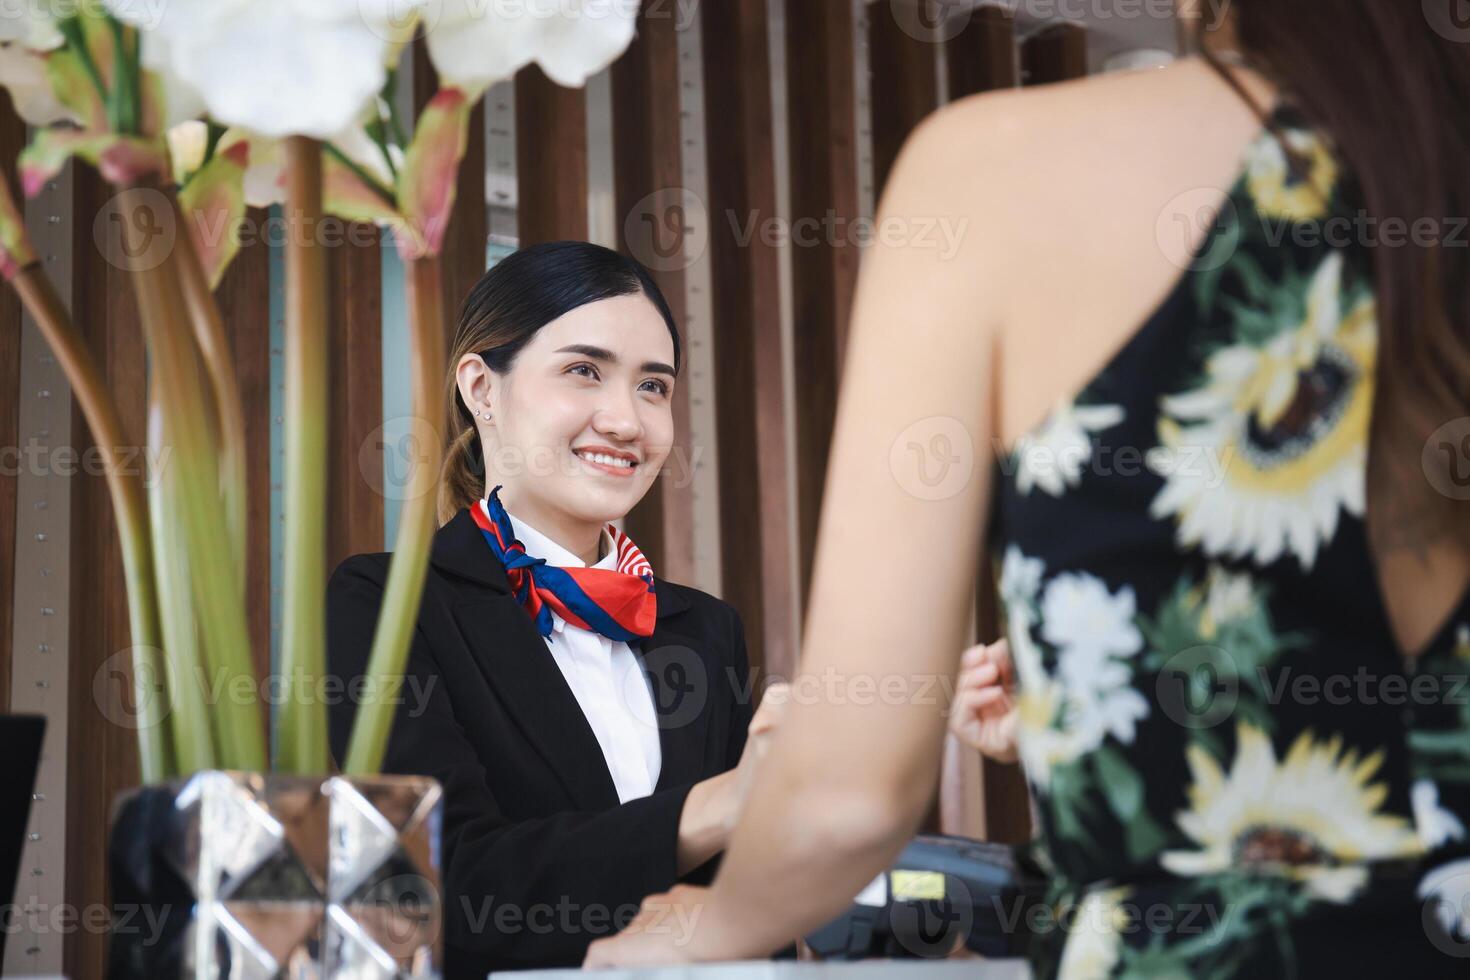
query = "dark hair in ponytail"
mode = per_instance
[
  {"x": 1389, "y": 80},
  {"x": 518, "y": 296}
]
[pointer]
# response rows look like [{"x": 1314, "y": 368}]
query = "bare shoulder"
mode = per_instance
[
  {"x": 1025, "y": 147},
  {"x": 1070, "y": 184}
]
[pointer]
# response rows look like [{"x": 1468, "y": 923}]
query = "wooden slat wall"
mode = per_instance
[
  {"x": 469, "y": 230},
  {"x": 355, "y": 338},
  {"x": 755, "y": 531},
  {"x": 648, "y": 165},
  {"x": 905, "y": 86},
  {"x": 982, "y": 57},
  {"x": 822, "y": 123},
  {"x": 12, "y": 138},
  {"x": 102, "y": 756},
  {"x": 1055, "y": 54},
  {"x": 551, "y": 159},
  {"x": 244, "y": 301}
]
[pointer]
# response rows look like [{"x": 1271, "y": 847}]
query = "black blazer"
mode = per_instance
[{"x": 538, "y": 856}]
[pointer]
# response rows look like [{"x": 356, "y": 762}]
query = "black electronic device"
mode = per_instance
[{"x": 942, "y": 892}]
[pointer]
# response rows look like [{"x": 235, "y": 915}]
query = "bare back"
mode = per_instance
[{"x": 1110, "y": 186}]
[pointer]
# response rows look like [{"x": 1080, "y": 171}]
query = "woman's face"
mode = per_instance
[{"x": 583, "y": 421}]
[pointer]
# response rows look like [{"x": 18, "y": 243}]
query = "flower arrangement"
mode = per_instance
[{"x": 194, "y": 111}]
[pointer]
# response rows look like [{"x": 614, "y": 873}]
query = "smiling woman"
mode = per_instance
[{"x": 587, "y": 720}]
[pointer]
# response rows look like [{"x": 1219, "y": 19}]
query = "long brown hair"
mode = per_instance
[
  {"x": 1389, "y": 80},
  {"x": 519, "y": 295}
]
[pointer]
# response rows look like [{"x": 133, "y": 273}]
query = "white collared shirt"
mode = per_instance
[{"x": 605, "y": 676}]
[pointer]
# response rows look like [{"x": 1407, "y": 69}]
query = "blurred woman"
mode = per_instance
[
  {"x": 1231, "y": 523},
  {"x": 587, "y": 720}
]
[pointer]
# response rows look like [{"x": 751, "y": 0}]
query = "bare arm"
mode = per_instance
[{"x": 848, "y": 776}]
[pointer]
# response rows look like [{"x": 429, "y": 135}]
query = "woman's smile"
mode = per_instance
[{"x": 609, "y": 461}]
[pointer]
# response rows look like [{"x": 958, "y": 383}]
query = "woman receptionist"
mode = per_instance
[{"x": 588, "y": 721}]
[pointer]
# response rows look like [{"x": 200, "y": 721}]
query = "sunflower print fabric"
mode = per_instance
[{"x": 1236, "y": 771}]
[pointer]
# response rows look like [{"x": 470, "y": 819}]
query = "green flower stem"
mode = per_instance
[
  {"x": 182, "y": 659},
  {"x": 128, "y": 75},
  {"x": 416, "y": 525},
  {"x": 155, "y": 754},
  {"x": 76, "y": 39},
  {"x": 218, "y": 597},
  {"x": 209, "y": 334},
  {"x": 301, "y": 732}
]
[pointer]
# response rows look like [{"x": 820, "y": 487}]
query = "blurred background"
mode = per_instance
[{"x": 739, "y": 149}]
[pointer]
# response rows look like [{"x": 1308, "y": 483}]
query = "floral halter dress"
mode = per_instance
[{"x": 1236, "y": 772}]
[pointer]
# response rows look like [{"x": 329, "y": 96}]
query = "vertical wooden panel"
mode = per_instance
[
  {"x": 243, "y": 296},
  {"x": 468, "y": 234},
  {"x": 822, "y": 105},
  {"x": 647, "y": 171},
  {"x": 1055, "y": 54},
  {"x": 102, "y": 755},
  {"x": 755, "y": 532},
  {"x": 551, "y": 159},
  {"x": 905, "y": 85},
  {"x": 12, "y": 138},
  {"x": 983, "y": 56},
  {"x": 355, "y": 339}
]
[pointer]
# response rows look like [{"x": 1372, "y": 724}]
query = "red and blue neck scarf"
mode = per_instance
[{"x": 620, "y": 604}]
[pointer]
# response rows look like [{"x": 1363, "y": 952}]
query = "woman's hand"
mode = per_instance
[
  {"x": 714, "y": 805},
  {"x": 761, "y": 730},
  {"x": 662, "y": 932},
  {"x": 984, "y": 711}
]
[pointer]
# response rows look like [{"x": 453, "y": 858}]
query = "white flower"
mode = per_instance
[
  {"x": 1020, "y": 577},
  {"x": 187, "y": 143},
  {"x": 1262, "y": 460},
  {"x": 1269, "y": 176},
  {"x": 1449, "y": 887},
  {"x": 1095, "y": 938},
  {"x": 1436, "y": 824},
  {"x": 1108, "y": 706},
  {"x": 23, "y": 74},
  {"x": 1228, "y": 596},
  {"x": 476, "y": 43},
  {"x": 277, "y": 67},
  {"x": 1313, "y": 817},
  {"x": 1080, "y": 617},
  {"x": 1053, "y": 456},
  {"x": 28, "y": 24},
  {"x": 1062, "y": 717}
]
